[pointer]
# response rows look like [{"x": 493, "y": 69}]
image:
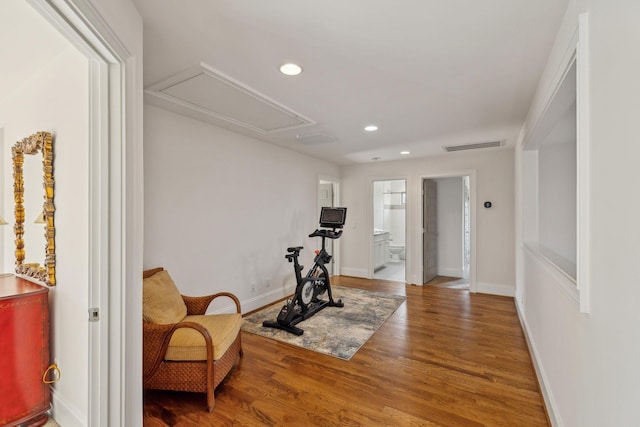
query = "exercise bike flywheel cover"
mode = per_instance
[{"x": 306, "y": 293}]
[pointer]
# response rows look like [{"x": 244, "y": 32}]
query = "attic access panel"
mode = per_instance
[{"x": 207, "y": 91}]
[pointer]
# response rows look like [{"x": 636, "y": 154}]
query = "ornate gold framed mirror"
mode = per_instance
[{"x": 39, "y": 142}]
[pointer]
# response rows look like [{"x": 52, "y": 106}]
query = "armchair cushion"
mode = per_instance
[
  {"x": 184, "y": 349},
  {"x": 188, "y": 344},
  {"x": 161, "y": 300}
]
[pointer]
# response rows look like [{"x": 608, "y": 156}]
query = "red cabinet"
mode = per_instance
[{"x": 24, "y": 351}]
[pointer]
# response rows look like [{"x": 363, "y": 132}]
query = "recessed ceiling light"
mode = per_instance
[
  {"x": 405, "y": 152},
  {"x": 290, "y": 69},
  {"x": 371, "y": 128}
]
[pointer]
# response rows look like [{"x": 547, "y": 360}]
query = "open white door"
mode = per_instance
[{"x": 429, "y": 230}]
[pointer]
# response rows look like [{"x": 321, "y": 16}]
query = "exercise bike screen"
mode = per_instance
[{"x": 333, "y": 217}]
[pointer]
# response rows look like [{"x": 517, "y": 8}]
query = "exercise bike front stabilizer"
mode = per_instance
[{"x": 306, "y": 300}]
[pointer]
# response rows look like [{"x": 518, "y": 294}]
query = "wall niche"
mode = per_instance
[
  {"x": 555, "y": 174},
  {"x": 550, "y": 169}
]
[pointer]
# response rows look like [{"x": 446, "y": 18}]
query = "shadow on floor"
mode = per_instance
[{"x": 449, "y": 282}]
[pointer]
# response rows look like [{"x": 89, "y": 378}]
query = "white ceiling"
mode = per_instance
[{"x": 428, "y": 72}]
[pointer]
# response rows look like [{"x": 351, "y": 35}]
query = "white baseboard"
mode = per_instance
[
  {"x": 254, "y": 303},
  {"x": 495, "y": 289},
  {"x": 263, "y": 299},
  {"x": 547, "y": 396},
  {"x": 65, "y": 414},
  {"x": 354, "y": 272}
]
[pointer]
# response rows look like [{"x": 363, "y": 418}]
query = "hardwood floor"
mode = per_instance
[{"x": 445, "y": 358}]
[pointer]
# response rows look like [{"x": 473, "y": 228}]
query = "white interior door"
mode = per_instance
[{"x": 429, "y": 230}]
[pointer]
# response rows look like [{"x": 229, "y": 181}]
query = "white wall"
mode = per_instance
[
  {"x": 450, "y": 214},
  {"x": 222, "y": 208},
  {"x": 588, "y": 363},
  {"x": 396, "y": 218},
  {"x": 7, "y": 235},
  {"x": 6, "y": 204},
  {"x": 494, "y": 176},
  {"x": 56, "y": 100}
]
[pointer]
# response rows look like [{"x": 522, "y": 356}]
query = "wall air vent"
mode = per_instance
[
  {"x": 205, "y": 93},
  {"x": 475, "y": 146}
]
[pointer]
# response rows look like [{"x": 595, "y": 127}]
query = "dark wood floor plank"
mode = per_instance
[{"x": 445, "y": 358}]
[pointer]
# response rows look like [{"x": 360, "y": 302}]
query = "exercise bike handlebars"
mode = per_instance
[
  {"x": 330, "y": 234},
  {"x": 294, "y": 251}
]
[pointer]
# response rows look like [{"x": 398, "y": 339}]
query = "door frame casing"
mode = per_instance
[{"x": 115, "y": 204}]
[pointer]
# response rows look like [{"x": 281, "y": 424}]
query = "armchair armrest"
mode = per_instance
[
  {"x": 156, "y": 340},
  {"x": 199, "y": 305}
]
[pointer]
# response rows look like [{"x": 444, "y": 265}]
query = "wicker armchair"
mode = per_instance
[{"x": 184, "y": 349}]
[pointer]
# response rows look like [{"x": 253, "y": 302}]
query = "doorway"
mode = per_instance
[
  {"x": 113, "y": 229},
  {"x": 446, "y": 231},
  {"x": 389, "y": 229}
]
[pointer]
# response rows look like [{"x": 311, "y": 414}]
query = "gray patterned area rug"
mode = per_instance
[{"x": 338, "y": 332}]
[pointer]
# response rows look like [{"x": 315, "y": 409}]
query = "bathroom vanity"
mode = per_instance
[{"x": 381, "y": 241}]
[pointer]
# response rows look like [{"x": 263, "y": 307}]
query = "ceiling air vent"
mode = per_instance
[
  {"x": 478, "y": 145},
  {"x": 203, "y": 92},
  {"x": 315, "y": 138}
]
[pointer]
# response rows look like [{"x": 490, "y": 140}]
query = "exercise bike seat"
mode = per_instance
[{"x": 295, "y": 249}]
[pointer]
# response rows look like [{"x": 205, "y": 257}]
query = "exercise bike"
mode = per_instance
[{"x": 306, "y": 300}]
